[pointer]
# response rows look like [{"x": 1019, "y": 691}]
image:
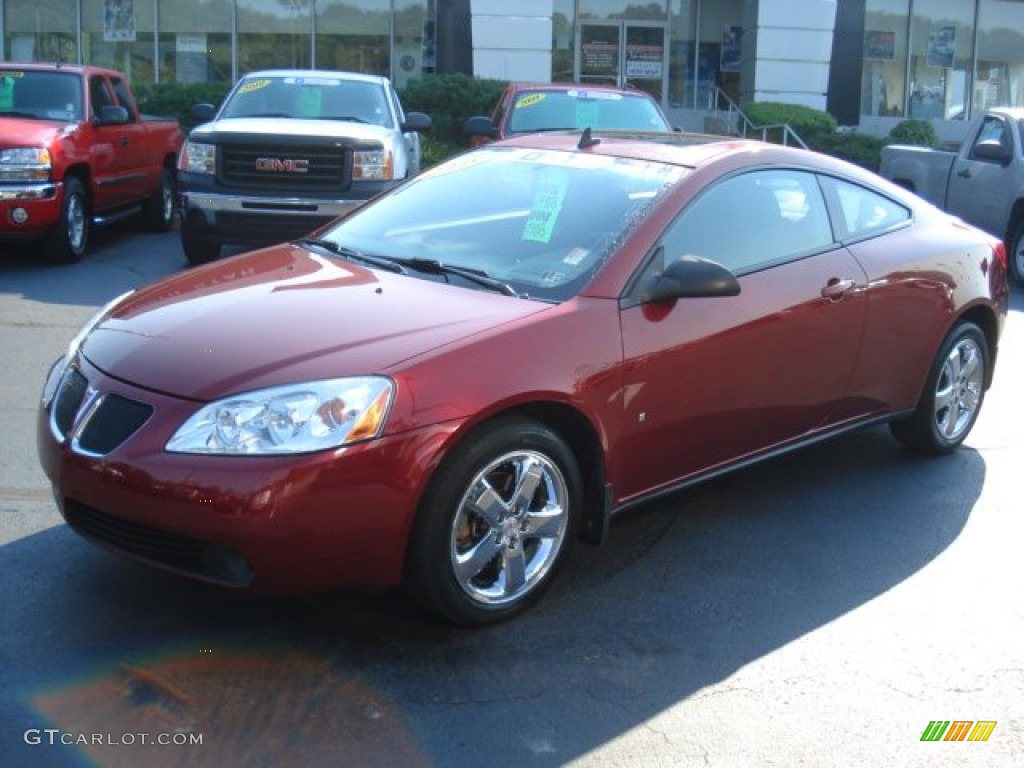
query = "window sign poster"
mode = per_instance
[
  {"x": 879, "y": 44},
  {"x": 644, "y": 61},
  {"x": 941, "y": 45},
  {"x": 732, "y": 39},
  {"x": 118, "y": 21}
]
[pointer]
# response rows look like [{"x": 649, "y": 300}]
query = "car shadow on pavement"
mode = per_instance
[{"x": 688, "y": 590}]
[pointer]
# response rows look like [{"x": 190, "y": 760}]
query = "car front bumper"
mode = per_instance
[{"x": 300, "y": 523}]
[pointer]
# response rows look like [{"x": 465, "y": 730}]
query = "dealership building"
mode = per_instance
[{"x": 868, "y": 62}]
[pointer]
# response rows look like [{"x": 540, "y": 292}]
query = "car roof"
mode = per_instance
[
  {"x": 330, "y": 73},
  {"x": 566, "y": 86},
  {"x": 50, "y": 66}
]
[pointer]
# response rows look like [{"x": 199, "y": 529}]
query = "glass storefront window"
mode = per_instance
[
  {"x": 274, "y": 34},
  {"x": 682, "y": 38},
  {"x": 563, "y": 24},
  {"x": 40, "y": 30},
  {"x": 942, "y": 39},
  {"x": 354, "y": 35},
  {"x": 720, "y": 52},
  {"x": 415, "y": 45},
  {"x": 119, "y": 34},
  {"x": 195, "y": 41},
  {"x": 885, "y": 58},
  {"x": 999, "y": 76}
]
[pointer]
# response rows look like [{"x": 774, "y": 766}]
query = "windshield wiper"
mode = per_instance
[
  {"x": 353, "y": 255},
  {"x": 478, "y": 276},
  {"x": 16, "y": 113}
]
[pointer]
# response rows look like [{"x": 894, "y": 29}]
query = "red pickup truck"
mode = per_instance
[{"x": 75, "y": 152}]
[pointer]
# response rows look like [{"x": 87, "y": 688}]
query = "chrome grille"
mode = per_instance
[
  {"x": 70, "y": 395},
  {"x": 113, "y": 421},
  {"x": 324, "y": 166}
]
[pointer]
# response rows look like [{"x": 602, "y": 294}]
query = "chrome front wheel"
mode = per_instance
[{"x": 496, "y": 523}]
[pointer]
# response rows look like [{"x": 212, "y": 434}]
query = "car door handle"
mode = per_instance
[
  {"x": 837, "y": 288},
  {"x": 124, "y": 141},
  {"x": 964, "y": 173}
]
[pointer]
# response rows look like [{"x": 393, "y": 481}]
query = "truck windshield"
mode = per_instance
[
  {"x": 41, "y": 95},
  {"x": 311, "y": 98}
]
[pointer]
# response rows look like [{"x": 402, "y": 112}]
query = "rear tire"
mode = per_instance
[
  {"x": 496, "y": 523},
  {"x": 68, "y": 241},
  {"x": 1016, "y": 254},
  {"x": 953, "y": 394}
]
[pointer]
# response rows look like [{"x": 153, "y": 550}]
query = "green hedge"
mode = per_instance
[
  {"x": 177, "y": 99},
  {"x": 807, "y": 122},
  {"x": 857, "y": 148},
  {"x": 914, "y": 131},
  {"x": 449, "y": 99}
]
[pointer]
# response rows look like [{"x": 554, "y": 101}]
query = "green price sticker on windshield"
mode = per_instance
[{"x": 545, "y": 207}]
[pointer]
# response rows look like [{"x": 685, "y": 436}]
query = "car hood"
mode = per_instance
[
  {"x": 23, "y": 132},
  {"x": 276, "y": 128},
  {"x": 281, "y": 315}
]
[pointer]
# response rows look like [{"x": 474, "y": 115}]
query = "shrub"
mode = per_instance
[
  {"x": 858, "y": 148},
  {"x": 449, "y": 99},
  {"x": 807, "y": 122},
  {"x": 177, "y": 99},
  {"x": 914, "y": 131}
]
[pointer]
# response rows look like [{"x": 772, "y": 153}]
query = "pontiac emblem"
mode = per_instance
[{"x": 277, "y": 165}]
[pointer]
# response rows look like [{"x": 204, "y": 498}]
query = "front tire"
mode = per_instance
[
  {"x": 496, "y": 523},
  {"x": 68, "y": 241},
  {"x": 158, "y": 210},
  {"x": 198, "y": 251},
  {"x": 1016, "y": 255},
  {"x": 953, "y": 394}
]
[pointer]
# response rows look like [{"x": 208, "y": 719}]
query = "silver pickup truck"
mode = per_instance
[
  {"x": 287, "y": 151},
  {"x": 982, "y": 183}
]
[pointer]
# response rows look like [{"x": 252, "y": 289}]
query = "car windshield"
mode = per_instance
[
  {"x": 311, "y": 98},
  {"x": 41, "y": 95},
  {"x": 542, "y": 222},
  {"x": 576, "y": 109}
]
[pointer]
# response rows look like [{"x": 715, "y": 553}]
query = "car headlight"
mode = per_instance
[
  {"x": 198, "y": 158},
  {"x": 25, "y": 164},
  {"x": 295, "y": 418},
  {"x": 372, "y": 164}
]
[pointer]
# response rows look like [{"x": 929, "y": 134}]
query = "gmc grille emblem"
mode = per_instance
[{"x": 277, "y": 165}]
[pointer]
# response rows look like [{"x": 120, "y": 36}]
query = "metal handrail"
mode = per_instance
[{"x": 746, "y": 126}]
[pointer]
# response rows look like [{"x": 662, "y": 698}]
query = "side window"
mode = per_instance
[
  {"x": 99, "y": 95},
  {"x": 864, "y": 212},
  {"x": 124, "y": 95},
  {"x": 752, "y": 220}
]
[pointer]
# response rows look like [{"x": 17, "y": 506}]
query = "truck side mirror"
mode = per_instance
[
  {"x": 416, "y": 121},
  {"x": 203, "y": 113},
  {"x": 112, "y": 114},
  {"x": 992, "y": 151}
]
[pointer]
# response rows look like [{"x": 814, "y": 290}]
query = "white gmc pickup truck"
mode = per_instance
[
  {"x": 287, "y": 151},
  {"x": 982, "y": 183}
]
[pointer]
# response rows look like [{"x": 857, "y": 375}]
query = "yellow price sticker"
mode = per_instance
[
  {"x": 529, "y": 101},
  {"x": 255, "y": 85}
]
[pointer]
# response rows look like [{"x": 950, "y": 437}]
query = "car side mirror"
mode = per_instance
[
  {"x": 203, "y": 113},
  {"x": 991, "y": 150},
  {"x": 692, "y": 277},
  {"x": 416, "y": 121},
  {"x": 480, "y": 125},
  {"x": 113, "y": 114}
]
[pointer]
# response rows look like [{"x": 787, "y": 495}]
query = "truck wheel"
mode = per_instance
[
  {"x": 198, "y": 251},
  {"x": 1017, "y": 255},
  {"x": 158, "y": 210},
  {"x": 67, "y": 242}
]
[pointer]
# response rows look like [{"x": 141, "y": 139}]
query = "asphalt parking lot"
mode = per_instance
[{"x": 818, "y": 610}]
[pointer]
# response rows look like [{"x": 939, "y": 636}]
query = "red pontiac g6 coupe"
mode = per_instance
[{"x": 449, "y": 386}]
